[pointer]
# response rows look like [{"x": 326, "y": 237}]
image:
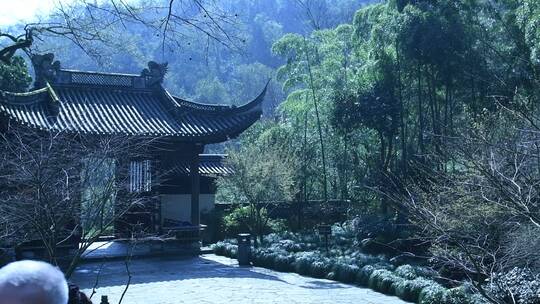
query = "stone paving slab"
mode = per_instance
[
  {"x": 142, "y": 248},
  {"x": 214, "y": 279}
]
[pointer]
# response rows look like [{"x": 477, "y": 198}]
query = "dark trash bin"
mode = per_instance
[{"x": 244, "y": 248}]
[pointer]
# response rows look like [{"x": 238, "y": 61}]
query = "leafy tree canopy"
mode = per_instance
[{"x": 14, "y": 77}]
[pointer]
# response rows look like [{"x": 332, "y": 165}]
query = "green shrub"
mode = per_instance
[
  {"x": 218, "y": 248},
  {"x": 407, "y": 272},
  {"x": 361, "y": 259},
  {"x": 345, "y": 273},
  {"x": 341, "y": 240},
  {"x": 257, "y": 258},
  {"x": 302, "y": 266},
  {"x": 303, "y": 262},
  {"x": 225, "y": 248},
  {"x": 384, "y": 265},
  {"x": 273, "y": 258},
  {"x": 239, "y": 220},
  {"x": 520, "y": 284},
  {"x": 434, "y": 294},
  {"x": 386, "y": 284},
  {"x": 277, "y": 225},
  {"x": 382, "y": 280},
  {"x": 412, "y": 272},
  {"x": 288, "y": 245},
  {"x": 425, "y": 272},
  {"x": 417, "y": 285},
  {"x": 232, "y": 252},
  {"x": 458, "y": 295},
  {"x": 396, "y": 284},
  {"x": 273, "y": 238},
  {"x": 401, "y": 290},
  {"x": 362, "y": 276},
  {"x": 283, "y": 262},
  {"x": 320, "y": 269},
  {"x": 263, "y": 258},
  {"x": 409, "y": 290},
  {"x": 345, "y": 231},
  {"x": 345, "y": 258},
  {"x": 335, "y": 252}
]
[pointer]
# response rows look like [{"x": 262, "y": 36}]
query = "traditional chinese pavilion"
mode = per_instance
[{"x": 137, "y": 105}]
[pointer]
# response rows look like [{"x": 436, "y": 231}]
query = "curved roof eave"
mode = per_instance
[{"x": 253, "y": 105}]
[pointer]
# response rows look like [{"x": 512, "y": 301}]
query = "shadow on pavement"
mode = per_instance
[
  {"x": 114, "y": 273},
  {"x": 322, "y": 285}
]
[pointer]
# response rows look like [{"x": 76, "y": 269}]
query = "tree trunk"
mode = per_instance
[{"x": 420, "y": 112}]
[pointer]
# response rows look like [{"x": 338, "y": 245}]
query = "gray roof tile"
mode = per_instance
[{"x": 97, "y": 103}]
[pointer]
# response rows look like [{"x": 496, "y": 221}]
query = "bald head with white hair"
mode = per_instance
[{"x": 26, "y": 282}]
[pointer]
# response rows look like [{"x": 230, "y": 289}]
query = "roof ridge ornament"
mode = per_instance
[
  {"x": 45, "y": 69},
  {"x": 155, "y": 73}
]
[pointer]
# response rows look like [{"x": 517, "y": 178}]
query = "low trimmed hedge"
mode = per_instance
[
  {"x": 382, "y": 281},
  {"x": 346, "y": 273},
  {"x": 225, "y": 249},
  {"x": 410, "y": 283},
  {"x": 409, "y": 290}
]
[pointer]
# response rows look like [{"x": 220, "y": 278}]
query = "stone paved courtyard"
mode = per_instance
[{"x": 213, "y": 279}]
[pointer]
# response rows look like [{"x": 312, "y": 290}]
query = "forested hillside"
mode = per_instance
[{"x": 228, "y": 69}]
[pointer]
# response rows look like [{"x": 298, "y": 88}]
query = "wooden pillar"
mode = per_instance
[
  {"x": 121, "y": 175},
  {"x": 195, "y": 186},
  {"x": 159, "y": 216}
]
